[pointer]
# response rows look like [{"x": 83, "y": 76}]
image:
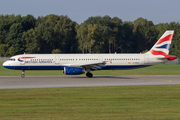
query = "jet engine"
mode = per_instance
[{"x": 73, "y": 70}]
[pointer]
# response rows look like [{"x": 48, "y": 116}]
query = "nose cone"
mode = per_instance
[
  {"x": 4, "y": 64},
  {"x": 8, "y": 64}
]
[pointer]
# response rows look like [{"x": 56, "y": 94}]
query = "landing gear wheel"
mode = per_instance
[
  {"x": 89, "y": 75},
  {"x": 22, "y": 75},
  {"x": 23, "y": 71}
]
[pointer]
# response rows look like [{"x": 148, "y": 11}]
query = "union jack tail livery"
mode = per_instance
[{"x": 162, "y": 46}]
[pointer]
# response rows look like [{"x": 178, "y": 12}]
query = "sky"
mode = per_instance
[{"x": 158, "y": 11}]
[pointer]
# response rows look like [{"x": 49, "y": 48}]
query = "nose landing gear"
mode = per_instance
[{"x": 23, "y": 71}]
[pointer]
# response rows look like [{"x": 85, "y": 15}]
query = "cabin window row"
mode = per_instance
[
  {"x": 122, "y": 59},
  {"x": 88, "y": 59},
  {"x": 81, "y": 59},
  {"x": 67, "y": 59},
  {"x": 41, "y": 59},
  {"x": 76, "y": 59}
]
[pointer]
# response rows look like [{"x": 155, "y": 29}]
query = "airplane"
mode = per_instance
[{"x": 75, "y": 64}]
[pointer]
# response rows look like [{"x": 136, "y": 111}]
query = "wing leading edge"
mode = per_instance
[{"x": 93, "y": 65}]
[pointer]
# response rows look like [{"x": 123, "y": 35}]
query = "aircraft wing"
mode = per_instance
[{"x": 92, "y": 65}]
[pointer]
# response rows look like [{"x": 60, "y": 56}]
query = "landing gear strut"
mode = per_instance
[
  {"x": 23, "y": 71},
  {"x": 89, "y": 75}
]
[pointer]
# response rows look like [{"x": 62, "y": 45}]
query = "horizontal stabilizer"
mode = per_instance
[{"x": 168, "y": 57}]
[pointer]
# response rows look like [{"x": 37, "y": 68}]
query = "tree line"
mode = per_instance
[{"x": 99, "y": 34}]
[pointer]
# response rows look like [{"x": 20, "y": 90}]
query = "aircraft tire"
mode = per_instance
[
  {"x": 22, "y": 75},
  {"x": 89, "y": 75}
]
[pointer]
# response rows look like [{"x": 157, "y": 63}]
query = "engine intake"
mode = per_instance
[{"x": 73, "y": 70}]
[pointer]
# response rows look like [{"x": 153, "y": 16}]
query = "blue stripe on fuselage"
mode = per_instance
[{"x": 108, "y": 67}]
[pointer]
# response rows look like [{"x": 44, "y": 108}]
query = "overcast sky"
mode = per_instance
[{"x": 158, "y": 11}]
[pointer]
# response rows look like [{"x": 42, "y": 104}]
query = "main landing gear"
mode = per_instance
[
  {"x": 23, "y": 71},
  {"x": 89, "y": 75}
]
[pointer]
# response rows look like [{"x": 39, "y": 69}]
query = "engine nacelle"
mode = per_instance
[{"x": 73, "y": 70}]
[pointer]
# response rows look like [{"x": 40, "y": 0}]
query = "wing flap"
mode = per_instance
[{"x": 93, "y": 65}]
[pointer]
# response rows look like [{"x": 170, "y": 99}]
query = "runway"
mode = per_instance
[{"x": 7, "y": 82}]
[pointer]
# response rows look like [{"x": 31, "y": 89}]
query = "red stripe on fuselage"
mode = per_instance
[
  {"x": 26, "y": 57},
  {"x": 167, "y": 38}
]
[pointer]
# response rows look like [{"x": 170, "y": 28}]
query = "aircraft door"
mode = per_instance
[
  {"x": 146, "y": 59},
  {"x": 100, "y": 58},
  {"x": 57, "y": 60}
]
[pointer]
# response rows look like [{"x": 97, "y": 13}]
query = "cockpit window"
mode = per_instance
[{"x": 11, "y": 59}]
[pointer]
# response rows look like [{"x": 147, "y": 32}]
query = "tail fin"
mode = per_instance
[{"x": 162, "y": 46}]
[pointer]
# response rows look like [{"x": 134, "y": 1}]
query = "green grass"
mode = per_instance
[
  {"x": 152, "y": 70},
  {"x": 92, "y": 103}
]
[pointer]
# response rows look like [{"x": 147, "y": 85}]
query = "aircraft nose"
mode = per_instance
[
  {"x": 4, "y": 64},
  {"x": 7, "y": 64}
]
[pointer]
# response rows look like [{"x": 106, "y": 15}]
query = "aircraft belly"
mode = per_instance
[{"x": 36, "y": 67}]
